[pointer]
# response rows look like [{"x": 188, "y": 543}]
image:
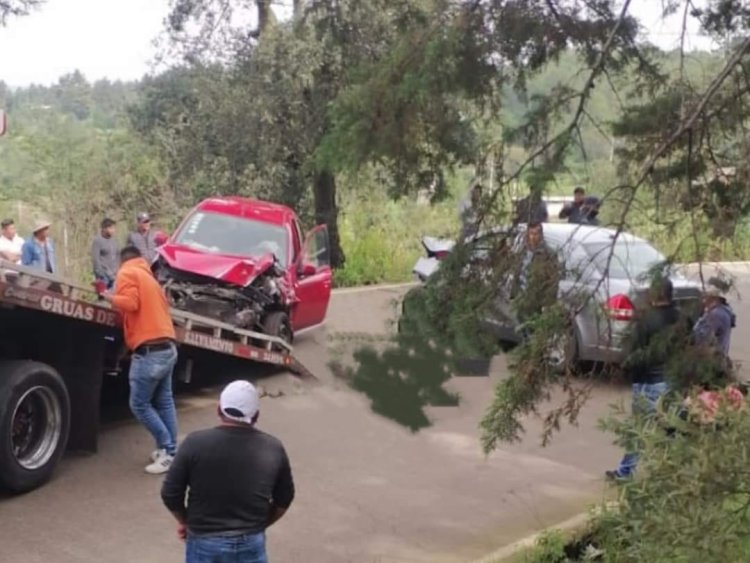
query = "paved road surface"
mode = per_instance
[{"x": 368, "y": 489}]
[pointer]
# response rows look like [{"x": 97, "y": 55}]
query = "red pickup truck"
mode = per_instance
[{"x": 245, "y": 262}]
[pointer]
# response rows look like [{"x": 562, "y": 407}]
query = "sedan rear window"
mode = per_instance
[{"x": 630, "y": 260}]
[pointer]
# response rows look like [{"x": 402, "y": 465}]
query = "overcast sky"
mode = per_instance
[{"x": 113, "y": 38}]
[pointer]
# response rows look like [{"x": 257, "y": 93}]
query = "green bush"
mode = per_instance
[{"x": 382, "y": 238}]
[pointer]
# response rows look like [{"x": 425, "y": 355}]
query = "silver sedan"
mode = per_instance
[{"x": 604, "y": 282}]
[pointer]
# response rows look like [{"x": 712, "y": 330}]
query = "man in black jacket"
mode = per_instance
[
  {"x": 240, "y": 483},
  {"x": 583, "y": 210},
  {"x": 653, "y": 341}
]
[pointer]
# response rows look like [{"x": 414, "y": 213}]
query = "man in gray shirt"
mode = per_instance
[
  {"x": 143, "y": 238},
  {"x": 105, "y": 254}
]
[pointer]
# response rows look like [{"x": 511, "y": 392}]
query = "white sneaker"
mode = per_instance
[
  {"x": 154, "y": 455},
  {"x": 161, "y": 463}
]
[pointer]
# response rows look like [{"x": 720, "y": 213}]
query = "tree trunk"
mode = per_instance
[
  {"x": 297, "y": 6},
  {"x": 327, "y": 213},
  {"x": 264, "y": 14}
]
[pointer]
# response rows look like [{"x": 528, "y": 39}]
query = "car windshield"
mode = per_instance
[
  {"x": 227, "y": 234},
  {"x": 630, "y": 260}
]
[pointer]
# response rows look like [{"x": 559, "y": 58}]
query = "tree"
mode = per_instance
[
  {"x": 10, "y": 8},
  {"x": 286, "y": 79},
  {"x": 397, "y": 112}
]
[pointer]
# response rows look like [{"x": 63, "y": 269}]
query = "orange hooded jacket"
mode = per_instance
[{"x": 142, "y": 303}]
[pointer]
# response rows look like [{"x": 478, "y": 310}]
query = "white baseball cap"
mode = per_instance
[{"x": 239, "y": 401}]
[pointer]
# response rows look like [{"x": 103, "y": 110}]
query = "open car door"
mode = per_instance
[{"x": 313, "y": 280}]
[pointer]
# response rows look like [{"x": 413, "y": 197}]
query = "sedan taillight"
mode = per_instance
[{"x": 620, "y": 307}]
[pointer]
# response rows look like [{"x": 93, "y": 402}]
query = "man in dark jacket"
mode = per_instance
[
  {"x": 144, "y": 237},
  {"x": 583, "y": 210},
  {"x": 652, "y": 343},
  {"x": 532, "y": 208},
  {"x": 105, "y": 254},
  {"x": 240, "y": 483},
  {"x": 537, "y": 277}
]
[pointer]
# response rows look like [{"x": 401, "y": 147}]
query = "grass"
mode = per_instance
[{"x": 382, "y": 239}]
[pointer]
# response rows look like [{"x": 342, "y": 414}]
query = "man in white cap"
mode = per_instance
[
  {"x": 38, "y": 251},
  {"x": 240, "y": 483}
]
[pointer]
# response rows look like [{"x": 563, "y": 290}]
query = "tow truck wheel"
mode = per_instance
[
  {"x": 34, "y": 424},
  {"x": 277, "y": 324}
]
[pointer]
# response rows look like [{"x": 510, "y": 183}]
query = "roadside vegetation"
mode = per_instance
[{"x": 373, "y": 117}]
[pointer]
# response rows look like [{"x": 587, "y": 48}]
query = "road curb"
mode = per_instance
[
  {"x": 374, "y": 287},
  {"x": 572, "y": 523}
]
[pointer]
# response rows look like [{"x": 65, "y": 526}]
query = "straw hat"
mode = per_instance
[{"x": 40, "y": 225}]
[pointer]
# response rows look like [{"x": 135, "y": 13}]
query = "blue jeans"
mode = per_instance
[
  {"x": 151, "y": 400},
  {"x": 247, "y": 548},
  {"x": 645, "y": 397}
]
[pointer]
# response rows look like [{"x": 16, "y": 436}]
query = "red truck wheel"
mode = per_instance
[{"x": 34, "y": 423}]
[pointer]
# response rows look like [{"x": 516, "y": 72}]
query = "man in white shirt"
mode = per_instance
[{"x": 10, "y": 242}]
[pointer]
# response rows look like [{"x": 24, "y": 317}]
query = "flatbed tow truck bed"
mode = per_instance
[{"x": 57, "y": 342}]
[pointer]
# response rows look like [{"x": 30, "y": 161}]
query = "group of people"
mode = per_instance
[
  {"x": 583, "y": 210},
  {"x": 36, "y": 252},
  {"x": 105, "y": 248},
  {"x": 239, "y": 478},
  {"x": 659, "y": 337}
]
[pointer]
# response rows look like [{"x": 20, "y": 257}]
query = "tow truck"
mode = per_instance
[{"x": 58, "y": 340}]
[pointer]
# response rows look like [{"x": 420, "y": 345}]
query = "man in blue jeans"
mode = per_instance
[
  {"x": 149, "y": 333},
  {"x": 240, "y": 483},
  {"x": 653, "y": 341}
]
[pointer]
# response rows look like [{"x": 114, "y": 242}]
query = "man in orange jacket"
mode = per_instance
[{"x": 150, "y": 334}]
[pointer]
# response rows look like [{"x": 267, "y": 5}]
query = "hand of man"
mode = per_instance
[{"x": 181, "y": 531}]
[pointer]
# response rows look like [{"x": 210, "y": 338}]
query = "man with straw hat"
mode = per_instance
[
  {"x": 38, "y": 251},
  {"x": 714, "y": 328}
]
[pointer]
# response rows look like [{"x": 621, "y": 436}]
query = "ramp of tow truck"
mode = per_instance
[{"x": 21, "y": 286}]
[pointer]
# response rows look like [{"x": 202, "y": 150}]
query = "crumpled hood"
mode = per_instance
[{"x": 230, "y": 269}]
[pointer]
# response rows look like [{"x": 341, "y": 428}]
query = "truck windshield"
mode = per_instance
[
  {"x": 227, "y": 234},
  {"x": 630, "y": 260}
]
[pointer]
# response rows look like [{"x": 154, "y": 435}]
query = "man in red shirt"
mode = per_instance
[{"x": 150, "y": 335}]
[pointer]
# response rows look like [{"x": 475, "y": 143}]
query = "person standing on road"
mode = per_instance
[
  {"x": 11, "y": 244},
  {"x": 537, "y": 277},
  {"x": 150, "y": 334},
  {"x": 583, "y": 210},
  {"x": 105, "y": 254},
  {"x": 143, "y": 238},
  {"x": 38, "y": 251},
  {"x": 652, "y": 344},
  {"x": 713, "y": 330},
  {"x": 240, "y": 483}
]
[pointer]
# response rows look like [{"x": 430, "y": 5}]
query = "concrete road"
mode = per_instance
[{"x": 368, "y": 490}]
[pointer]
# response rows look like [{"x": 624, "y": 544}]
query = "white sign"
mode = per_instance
[{"x": 3, "y": 122}]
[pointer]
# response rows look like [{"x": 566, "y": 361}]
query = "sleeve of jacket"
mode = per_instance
[
  {"x": 178, "y": 478},
  {"x": 127, "y": 296},
  {"x": 27, "y": 254},
  {"x": 283, "y": 491}
]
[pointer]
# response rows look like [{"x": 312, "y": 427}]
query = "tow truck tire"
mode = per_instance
[
  {"x": 34, "y": 424},
  {"x": 277, "y": 324}
]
